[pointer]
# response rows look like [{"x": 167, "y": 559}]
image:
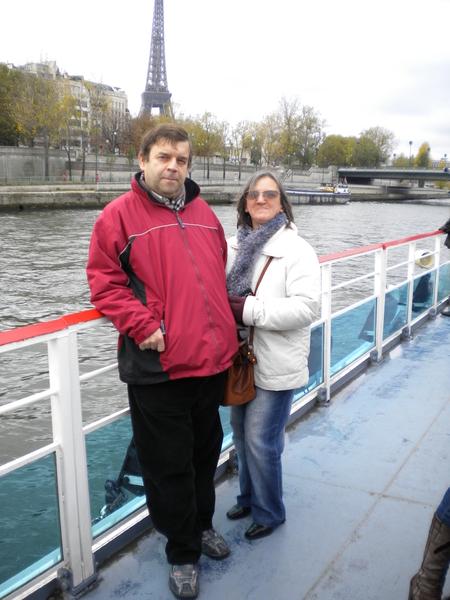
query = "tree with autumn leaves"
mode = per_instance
[{"x": 34, "y": 109}]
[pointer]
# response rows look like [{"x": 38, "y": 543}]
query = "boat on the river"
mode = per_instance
[
  {"x": 326, "y": 193},
  {"x": 365, "y": 465}
]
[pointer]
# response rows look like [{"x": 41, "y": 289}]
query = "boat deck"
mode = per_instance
[{"x": 362, "y": 479}]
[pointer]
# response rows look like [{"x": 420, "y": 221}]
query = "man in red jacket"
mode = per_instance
[{"x": 156, "y": 269}]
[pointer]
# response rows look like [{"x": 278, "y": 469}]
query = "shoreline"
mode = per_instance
[{"x": 46, "y": 197}]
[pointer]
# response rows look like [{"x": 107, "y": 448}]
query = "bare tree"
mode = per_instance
[
  {"x": 211, "y": 135},
  {"x": 241, "y": 136},
  {"x": 69, "y": 106}
]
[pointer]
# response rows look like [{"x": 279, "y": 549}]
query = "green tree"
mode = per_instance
[
  {"x": 9, "y": 128},
  {"x": 333, "y": 150},
  {"x": 301, "y": 131},
  {"x": 37, "y": 110},
  {"x": 441, "y": 185},
  {"x": 382, "y": 141},
  {"x": 401, "y": 160},
  {"x": 423, "y": 156},
  {"x": 309, "y": 135}
]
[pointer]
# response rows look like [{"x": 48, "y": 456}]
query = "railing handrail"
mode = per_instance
[{"x": 28, "y": 332}]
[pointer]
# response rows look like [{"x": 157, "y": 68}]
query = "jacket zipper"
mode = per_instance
[{"x": 202, "y": 288}]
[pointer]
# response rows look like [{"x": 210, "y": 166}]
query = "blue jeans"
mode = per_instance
[
  {"x": 258, "y": 436},
  {"x": 443, "y": 510}
]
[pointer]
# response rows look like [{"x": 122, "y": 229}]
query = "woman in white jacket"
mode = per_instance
[{"x": 286, "y": 304}]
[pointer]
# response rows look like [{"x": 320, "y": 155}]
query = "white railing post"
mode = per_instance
[
  {"x": 380, "y": 293},
  {"x": 411, "y": 262},
  {"x": 437, "y": 263},
  {"x": 73, "y": 489},
  {"x": 326, "y": 316}
]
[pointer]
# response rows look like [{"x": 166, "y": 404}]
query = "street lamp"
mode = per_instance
[
  {"x": 393, "y": 160},
  {"x": 410, "y": 144}
]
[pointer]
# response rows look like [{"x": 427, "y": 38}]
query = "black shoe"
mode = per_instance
[
  {"x": 213, "y": 544},
  {"x": 238, "y": 512},
  {"x": 256, "y": 531},
  {"x": 183, "y": 581}
]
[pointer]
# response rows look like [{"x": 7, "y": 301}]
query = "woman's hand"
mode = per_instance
[{"x": 237, "y": 307}]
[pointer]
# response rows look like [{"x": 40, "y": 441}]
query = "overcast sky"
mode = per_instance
[{"x": 360, "y": 63}]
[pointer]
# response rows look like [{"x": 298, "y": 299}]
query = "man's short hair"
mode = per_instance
[{"x": 169, "y": 132}]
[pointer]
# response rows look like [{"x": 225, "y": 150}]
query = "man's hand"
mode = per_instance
[{"x": 154, "y": 342}]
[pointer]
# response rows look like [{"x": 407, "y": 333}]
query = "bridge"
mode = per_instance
[{"x": 363, "y": 174}]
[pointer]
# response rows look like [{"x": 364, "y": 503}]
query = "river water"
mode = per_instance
[{"x": 43, "y": 256}]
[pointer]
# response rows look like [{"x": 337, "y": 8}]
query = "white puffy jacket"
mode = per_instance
[{"x": 286, "y": 304}]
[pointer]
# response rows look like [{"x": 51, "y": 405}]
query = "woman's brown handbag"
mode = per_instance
[{"x": 240, "y": 386}]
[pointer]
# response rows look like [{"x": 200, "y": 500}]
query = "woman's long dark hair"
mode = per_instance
[{"x": 244, "y": 217}]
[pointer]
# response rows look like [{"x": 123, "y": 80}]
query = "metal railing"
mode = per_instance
[{"x": 377, "y": 278}]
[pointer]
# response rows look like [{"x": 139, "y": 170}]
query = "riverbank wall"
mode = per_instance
[
  {"x": 37, "y": 198},
  {"x": 70, "y": 195}
]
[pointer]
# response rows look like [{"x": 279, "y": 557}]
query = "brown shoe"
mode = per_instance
[{"x": 427, "y": 584}]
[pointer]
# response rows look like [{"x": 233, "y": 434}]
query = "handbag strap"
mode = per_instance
[{"x": 266, "y": 266}]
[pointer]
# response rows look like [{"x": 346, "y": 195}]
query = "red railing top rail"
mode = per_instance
[
  {"x": 411, "y": 239},
  {"x": 384, "y": 245},
  {"x": 31, "y": 331}
]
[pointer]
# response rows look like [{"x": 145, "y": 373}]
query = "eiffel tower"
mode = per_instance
[{"x": 156, "y": 94}]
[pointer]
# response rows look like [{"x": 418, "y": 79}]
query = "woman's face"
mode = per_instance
[{"x": 263, "y": 209}]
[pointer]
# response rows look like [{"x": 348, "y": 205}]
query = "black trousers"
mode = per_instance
[{"x": 178, "y": 437}]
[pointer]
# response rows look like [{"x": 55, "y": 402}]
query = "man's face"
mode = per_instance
[{"x": 166, "y": 167}]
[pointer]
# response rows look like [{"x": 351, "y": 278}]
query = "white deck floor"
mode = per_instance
[{"x": 362, "y": 479}]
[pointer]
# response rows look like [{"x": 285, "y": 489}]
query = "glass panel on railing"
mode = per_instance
[
  {"x": 224, "y": 412},
  {"x": 315, "y": 363},
  {"x": 352, "y": 335},
  {"x": 115, "y": 484},
  {"x": 116, "y": 488},
  {"x": 30, "y": 538},
  {"x": 423, "y": 290},
  {"x": 395, "y": 310},
  {"x": 444, "y": 282}
]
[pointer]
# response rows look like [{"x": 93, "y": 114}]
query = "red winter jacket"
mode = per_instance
[{"x": 148, "y": 265}]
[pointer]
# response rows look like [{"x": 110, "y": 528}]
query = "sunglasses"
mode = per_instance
[{"x": 267, "y": 195}]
